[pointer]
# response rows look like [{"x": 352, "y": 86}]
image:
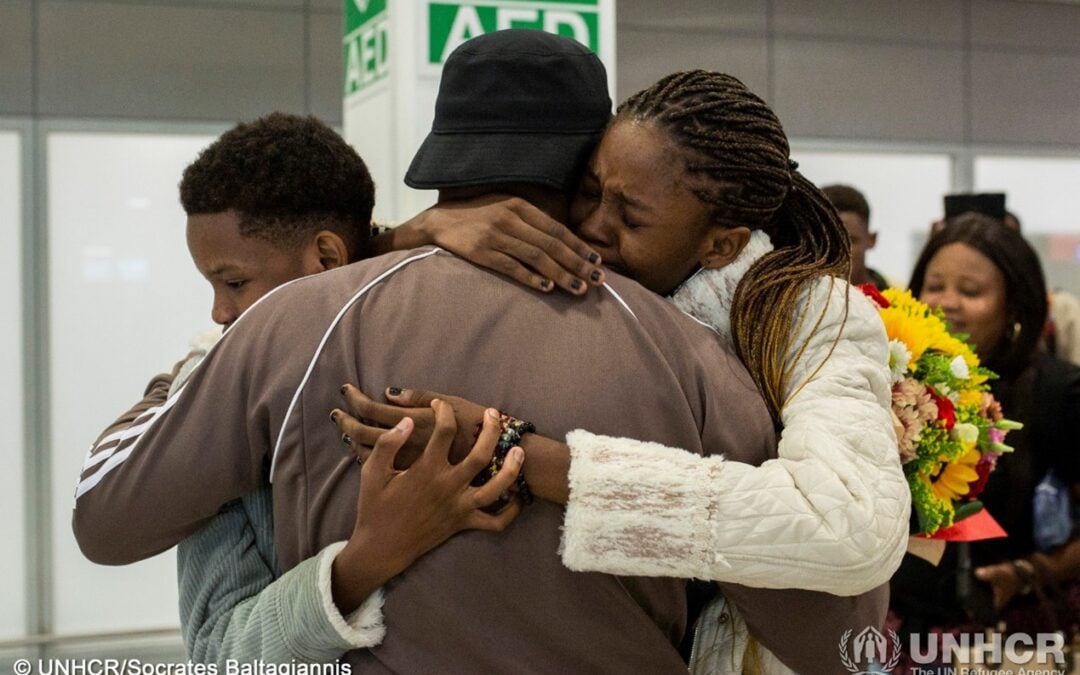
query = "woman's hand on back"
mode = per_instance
[
  {"x": 510, "y": 236},
  {"x": 549, "y": 459},
  {"x": 365, "y": 421}
]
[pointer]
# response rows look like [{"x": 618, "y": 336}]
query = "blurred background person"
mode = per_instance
[
  {"x": 989, "y": 283},
  {"x": 1063, "y": 329},
  {"x": 854, "y": 213},
  {"x": 1061, "y": 333}
]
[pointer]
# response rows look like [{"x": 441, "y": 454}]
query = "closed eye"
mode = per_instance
[{"x": 589, "y": 190}]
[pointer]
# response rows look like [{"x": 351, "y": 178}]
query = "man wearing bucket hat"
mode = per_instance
[
  {"x": 481, "y": 602},
  {"x": 518, "y": 112},
  {"x": 500, "y": 116}
]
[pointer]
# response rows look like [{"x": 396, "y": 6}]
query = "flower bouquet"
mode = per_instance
[{"x": 950, "y": 429}]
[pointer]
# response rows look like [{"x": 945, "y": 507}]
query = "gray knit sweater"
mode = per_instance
[{"x": 235, "y": 607}]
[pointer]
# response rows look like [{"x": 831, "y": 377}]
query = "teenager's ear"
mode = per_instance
[
  {"x": 328, "y": 251},
  {"x": 722, "y": 245}
]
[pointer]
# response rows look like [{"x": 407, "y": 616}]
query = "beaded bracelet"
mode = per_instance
[{"x": 512, "y": 429}]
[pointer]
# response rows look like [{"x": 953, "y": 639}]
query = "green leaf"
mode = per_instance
[{"x": 967, "y": 509}]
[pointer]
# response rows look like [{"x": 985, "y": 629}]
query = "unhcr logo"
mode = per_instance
[{"x": 871, "y": 653}]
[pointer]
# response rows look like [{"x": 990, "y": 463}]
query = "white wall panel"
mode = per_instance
[
  {"x": 16, "y": 56},
  {"x": 12, "y": 491},
  {"x": 925, "y": 21},
  {"x": 1040, "y": 190},
  {"x": 1022, "y": 98},
  {"x": 1025, "y": 25},
  {"x": 905, "y": 195},
  {"x": 125, "y": 300},
  {"x": 858, "y": 90},
  {"x": 644, "y": 56},
  {"x": 130, "y": 60},
  {"x": 741, "y": 16},
  {"x": 326, "y": 72}
]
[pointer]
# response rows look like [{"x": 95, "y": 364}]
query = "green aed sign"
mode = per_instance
[
  {"x": 365, "y": 44},
  {"x": 451, "y": 23}
]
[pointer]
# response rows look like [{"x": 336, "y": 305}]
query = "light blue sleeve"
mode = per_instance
[{"x": 232, "y": 608}]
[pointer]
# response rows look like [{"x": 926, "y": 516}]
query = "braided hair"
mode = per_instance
[{"x": 737, "y": 157}]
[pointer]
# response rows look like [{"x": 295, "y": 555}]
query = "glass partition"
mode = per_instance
[
  {"x": 12, "y": 492},
  {"x": 125, "y": 300},
  {"x": 904, "y": 191},
  {"x": 1041, "y": 191}
]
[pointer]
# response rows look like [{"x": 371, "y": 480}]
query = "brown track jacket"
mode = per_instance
[{"x": 620, "y": 361}]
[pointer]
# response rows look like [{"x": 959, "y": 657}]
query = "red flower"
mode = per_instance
[
  {"x": 983, "y": 468},
  {"x": 946, "y": 411},
  {"x": 871, "y": 291}
]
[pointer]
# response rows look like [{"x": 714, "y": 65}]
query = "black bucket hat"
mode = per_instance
[{"x": 514, "y": 106}]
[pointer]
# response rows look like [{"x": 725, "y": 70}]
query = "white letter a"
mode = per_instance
[{"x": 466, "y": 25}]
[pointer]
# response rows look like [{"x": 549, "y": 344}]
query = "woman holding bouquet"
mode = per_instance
[{"x": 988, "y": 283}]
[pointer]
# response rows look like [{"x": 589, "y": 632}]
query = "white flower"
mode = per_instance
[
  {"x": 945, "y": 391},
  {"x": 959, "y": 368},
  {"x": 899, "y": 360},
  {"x": 965, "y": 432}
]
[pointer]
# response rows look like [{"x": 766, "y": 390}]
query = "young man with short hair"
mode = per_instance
[
  {"x": 854, "y": 212},
  {"x": 268, "y": 202}
]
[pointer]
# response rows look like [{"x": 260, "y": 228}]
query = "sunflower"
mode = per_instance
[
  {"x": 911, "y": 322},
  {"x": 953, "y": 346},
  {"x": 933, "y": 513},
  {"x": 921, "y": 328},
  {"x": 915, "y": 332},
  {"x": 955, "y": 478}
]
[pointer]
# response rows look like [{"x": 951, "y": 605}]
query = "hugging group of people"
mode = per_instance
[{"x": 705, "y": 399}]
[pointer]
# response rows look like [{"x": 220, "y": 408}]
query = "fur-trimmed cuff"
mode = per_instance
[
  {"x": 363, "y": 627},
  {"x": 638, "y": 508}
]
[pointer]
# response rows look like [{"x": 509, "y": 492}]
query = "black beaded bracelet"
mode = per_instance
[{"x": 512, "y": 431}]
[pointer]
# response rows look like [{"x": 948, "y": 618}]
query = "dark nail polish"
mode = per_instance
[
  {"x": 344, "y": 388},
  {"x": 594, "y": 258},
  {"x": 333, "y": 417},
  {"x": 346, "y": 439},
  {"x": 394, "y": 391},
  {"x": 595, "y": 276},
  {"x": 545, "y": 284},
  {"x": 576, "y": 284}
]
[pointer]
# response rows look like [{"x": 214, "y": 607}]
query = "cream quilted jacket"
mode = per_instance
[{"x": 829, "y": 514}]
